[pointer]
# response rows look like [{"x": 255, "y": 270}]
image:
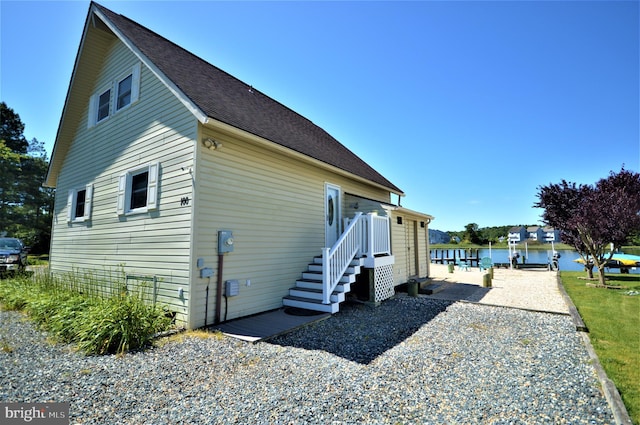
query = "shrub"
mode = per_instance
[
  {"x": 118, "y": 324},
  {"x": 98, "y": 325}
]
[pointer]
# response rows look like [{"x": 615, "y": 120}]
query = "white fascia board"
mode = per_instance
[
  {"x": 414, "y": 213},
  {"x": 188, "y": 103}
]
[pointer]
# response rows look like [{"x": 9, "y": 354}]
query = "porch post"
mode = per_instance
[
  {"x": 389, "y": 235},
  {"x": 325, "y": 276},
  {"x": 370, "y": 235}
]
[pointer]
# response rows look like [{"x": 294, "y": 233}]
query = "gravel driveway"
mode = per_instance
[{"x": 409, "y": 361}]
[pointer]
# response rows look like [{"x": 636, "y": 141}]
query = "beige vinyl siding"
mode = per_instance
[
  {"x": 409, "y": 241},
  {"x": 354, "y": 204},
  {"x": 423, "y": 248},
  {"x": 417, "y": 256},
  {"x": 88, "y": 65},
  {"x": 156, "y": 128},
  {"x": 274, "y": 204}
]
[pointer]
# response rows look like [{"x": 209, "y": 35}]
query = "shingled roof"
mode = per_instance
[{"x": 222, "y": 97}]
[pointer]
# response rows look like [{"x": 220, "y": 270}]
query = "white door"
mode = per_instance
[{"x": 332, "y": 214}]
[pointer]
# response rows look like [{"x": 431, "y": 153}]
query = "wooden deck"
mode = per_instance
[{"x": 269, "y": 324}]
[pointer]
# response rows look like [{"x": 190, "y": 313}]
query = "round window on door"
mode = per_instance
[{"x": 330, "y": 209}]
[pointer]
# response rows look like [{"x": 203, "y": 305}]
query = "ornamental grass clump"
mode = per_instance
[
  {"x": 97, "y": 320},
  {"x": 119, "y": 324},
  {"x": 11, "y": 297}
]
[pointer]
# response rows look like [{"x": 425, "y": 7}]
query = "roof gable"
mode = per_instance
[
  {"x": 85, "y": 69},
  {"x": 213, "y": 93}
]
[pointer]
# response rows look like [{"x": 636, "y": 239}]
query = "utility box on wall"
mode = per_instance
[
  {"x": 225, "y": 241},
  {"x": 232, "y": 288}
]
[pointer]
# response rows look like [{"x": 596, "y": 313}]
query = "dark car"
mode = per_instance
[{"x": 13, "y": 255}]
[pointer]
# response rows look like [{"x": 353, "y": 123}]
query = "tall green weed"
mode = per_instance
[{"x": 80, "y": 309}]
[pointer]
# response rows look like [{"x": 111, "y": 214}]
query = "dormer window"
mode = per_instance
[{"x": 126, "y": 90}]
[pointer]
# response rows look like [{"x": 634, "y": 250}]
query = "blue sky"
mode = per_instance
[{"x": 468, "y": 107}]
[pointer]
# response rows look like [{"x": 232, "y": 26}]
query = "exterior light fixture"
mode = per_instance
[{"x": 211, "y": 144}]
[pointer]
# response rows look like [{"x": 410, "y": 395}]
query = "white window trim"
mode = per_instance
[
  {"x": 123, "y": 205},
  {"x": 72, "y": 200},
  {"x": 134, "y": 71},
  {"x": 94, "y": 105}
]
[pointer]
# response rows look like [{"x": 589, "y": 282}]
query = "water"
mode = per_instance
[
  {"x": 542, "y": 256},
  {"x": 536, "y": 256}
]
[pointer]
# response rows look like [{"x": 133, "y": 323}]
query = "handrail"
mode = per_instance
[
  {"x": 375, "y": 234},
  {"x": 379, "y": 235},
  {"x": 366, "y": 235},
  {"x": 336, "y": 260}
]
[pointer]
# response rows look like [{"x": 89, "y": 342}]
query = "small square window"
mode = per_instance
[{"x": 138, "y": 190}]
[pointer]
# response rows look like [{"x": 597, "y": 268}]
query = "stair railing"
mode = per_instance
[
  {"x": 336, "y": 260},
  {"x": 378, "y": 236},
  {"x": 375, "y": 234}
]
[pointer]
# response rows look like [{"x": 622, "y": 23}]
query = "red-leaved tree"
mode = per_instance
[{"x": 591, "y": 218}]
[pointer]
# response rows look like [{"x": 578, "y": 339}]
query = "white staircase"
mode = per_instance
[
  {"x": 324, "y": 285},
  {"x": 308, "y": 293}
]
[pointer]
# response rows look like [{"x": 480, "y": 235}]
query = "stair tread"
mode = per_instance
[
  {"x": 313, "y": 290},
  {"x": 318, "y": 260},
  {"x": 319, "y": 283},
  {"x": 307, "y": 300},
  {"x": 311, "y": 283}
]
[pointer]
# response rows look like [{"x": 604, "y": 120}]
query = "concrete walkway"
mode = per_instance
[{"x": 530, "y": 289}]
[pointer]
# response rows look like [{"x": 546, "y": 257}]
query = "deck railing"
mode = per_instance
[
  {"x": 365, "y": 235},
  {"x": 379, "y": 236}
]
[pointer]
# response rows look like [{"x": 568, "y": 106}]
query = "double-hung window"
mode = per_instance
[
  {"x": 119, "y": 94},
  {"x": 104, "y": 105},
  {"x": 79, "y": 204},
  {"x": 124, "y": 92},
  {"x": 128, "y": 88},
  {"x": 138, "y": 190}
]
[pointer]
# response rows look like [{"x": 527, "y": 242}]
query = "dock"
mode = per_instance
[
  {"x": 444, "y": 256},
  {"x": 523, "y": 266}
]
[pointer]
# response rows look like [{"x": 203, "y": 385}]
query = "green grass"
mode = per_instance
[
  {"x": 98, "y": 317},
  {"x": 38, "y": 260},
  {"x": 613, "y": 319}
]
